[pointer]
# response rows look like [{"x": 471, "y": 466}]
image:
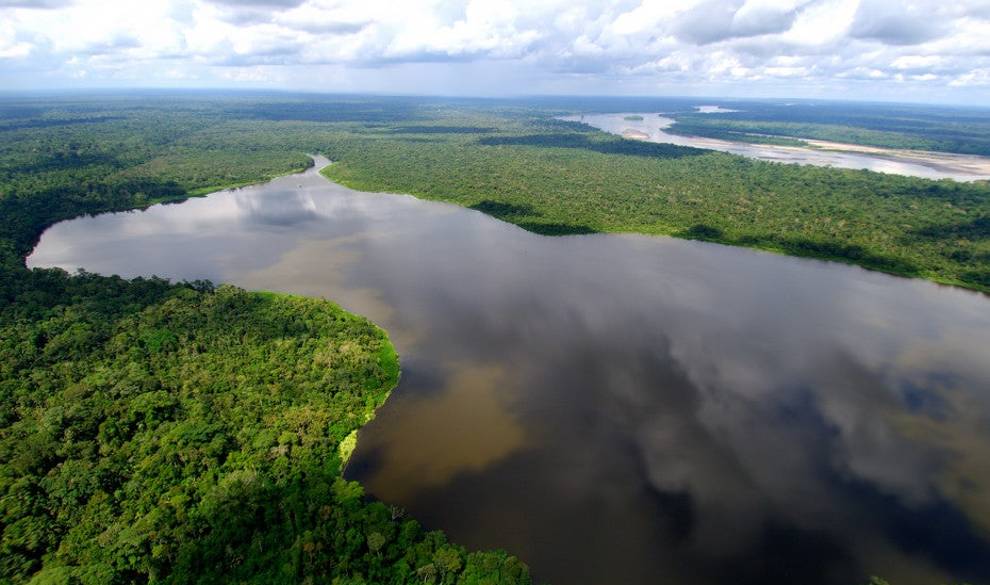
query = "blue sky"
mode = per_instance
[{"x": 850, "y": 49}]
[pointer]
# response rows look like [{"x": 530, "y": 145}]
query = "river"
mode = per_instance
[
  {"x": 620, "y": 408},
  {"x": 652, "y": 127}
]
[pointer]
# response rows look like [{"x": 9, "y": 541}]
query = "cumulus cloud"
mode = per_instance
[
  {"x": 718, "y": 20},
  {"x": 897, "y": 23},
  {"x": 647, "y": 46},
  {"x": 37, "y": 4},
  {"x": 260, "y": 3}
]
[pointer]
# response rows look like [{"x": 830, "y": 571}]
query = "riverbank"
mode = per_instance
[
  {"x": 217, "y": 426},
  {"x": 612, "y": 338},
  {"x": 570, "y": 183},
  {"x": 795, "y": 149},
  {"x": 977, "y": 166}
]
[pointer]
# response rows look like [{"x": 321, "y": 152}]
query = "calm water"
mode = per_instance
[
  {"x": 623, "y": 409},
  {"x": 928, "y": 165}
]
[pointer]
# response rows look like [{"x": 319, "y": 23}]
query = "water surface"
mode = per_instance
[
  {"x": 623, "y": 409},
  {"x": 913, "y": 163}
]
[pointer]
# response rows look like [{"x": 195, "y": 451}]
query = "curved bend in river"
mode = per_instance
[
  {"x": 913, "y": 163},
  {"x": 623, "y": 409}
]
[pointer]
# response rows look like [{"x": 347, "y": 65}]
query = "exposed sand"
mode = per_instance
[
  {"x": 713, "y": 110},
  {"x": 916, "y": 163},
  {"x": 951, "y": 161},
  {"x": 635, "y": 134}
]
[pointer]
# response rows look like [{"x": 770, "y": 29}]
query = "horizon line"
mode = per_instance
[{"x": 509, "y": 97}]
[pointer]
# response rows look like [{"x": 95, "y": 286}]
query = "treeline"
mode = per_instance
[
  {"x": 726, "y": 131},
  {"x": 917, "y": 128},
  {"x": 580, "y": 182},
  {"x": 181, "y": 433},
  {"x": 468, "y": 151}
]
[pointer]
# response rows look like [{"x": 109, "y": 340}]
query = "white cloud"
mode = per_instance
[
  {"x": 977, "y": 77},
  {"x": 822, "y": 23},
  {"x": 531, "y": 45},
  {"x": 916, "y": 61},
  {"x": 649, "y": 15}
]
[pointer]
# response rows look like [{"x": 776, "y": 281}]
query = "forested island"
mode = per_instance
[{"x": 185, "y": 432}]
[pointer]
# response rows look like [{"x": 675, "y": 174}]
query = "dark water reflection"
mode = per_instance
[{"x": 623, "y": 409}]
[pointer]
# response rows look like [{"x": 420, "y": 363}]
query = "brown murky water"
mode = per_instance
[{"x": 623, "y": 409}]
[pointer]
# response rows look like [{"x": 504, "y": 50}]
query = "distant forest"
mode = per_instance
[{"x": 190, "y": 433}]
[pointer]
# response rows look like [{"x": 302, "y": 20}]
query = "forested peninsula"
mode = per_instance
[{"x": 182, "y": 432}]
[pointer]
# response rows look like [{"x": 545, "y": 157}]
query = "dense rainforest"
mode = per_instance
[
  {"x": 181, "y": 433},
  {"x": 509, "y": 158},
  {"x": 191, "y": 434},
  {"x": 555, "y": 180}
]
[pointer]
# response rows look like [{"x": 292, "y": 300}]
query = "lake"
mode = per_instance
[
  {"x": 620, "y": 408},
  {"x": 652, "y": 127}
]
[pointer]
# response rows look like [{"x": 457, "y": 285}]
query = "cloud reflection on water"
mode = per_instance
[{"x": 624, "y": 408}]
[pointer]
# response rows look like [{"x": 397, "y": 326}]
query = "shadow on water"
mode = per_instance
[
  {"x": 555, "y": 229},
  {"x": 806, "y": 247},
  {"x": 505, "y": 211},
  {"x": 521, "y": 214}
]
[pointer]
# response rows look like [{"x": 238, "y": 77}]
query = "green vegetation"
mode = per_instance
[
  {"x": 559, "y": 177},
  {"x": 730, "y": 131},
  {"x": 553, "y": 178},
  {"x": 747, "y": 131},
  {"x": 181, "y": 433}
]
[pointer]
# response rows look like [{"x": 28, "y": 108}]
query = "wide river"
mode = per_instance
[
  {"x": 913, "y": 163},
  {"x": 620, "y": 409}
]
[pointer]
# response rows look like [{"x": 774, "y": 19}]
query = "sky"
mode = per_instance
[{"x": 936, "y": 51}]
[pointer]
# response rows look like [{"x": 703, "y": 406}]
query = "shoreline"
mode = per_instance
[
  {"x": 322, "y": 170},
  {"x": 679, "y": 233},
  {"x": 965, "y": 168}
]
